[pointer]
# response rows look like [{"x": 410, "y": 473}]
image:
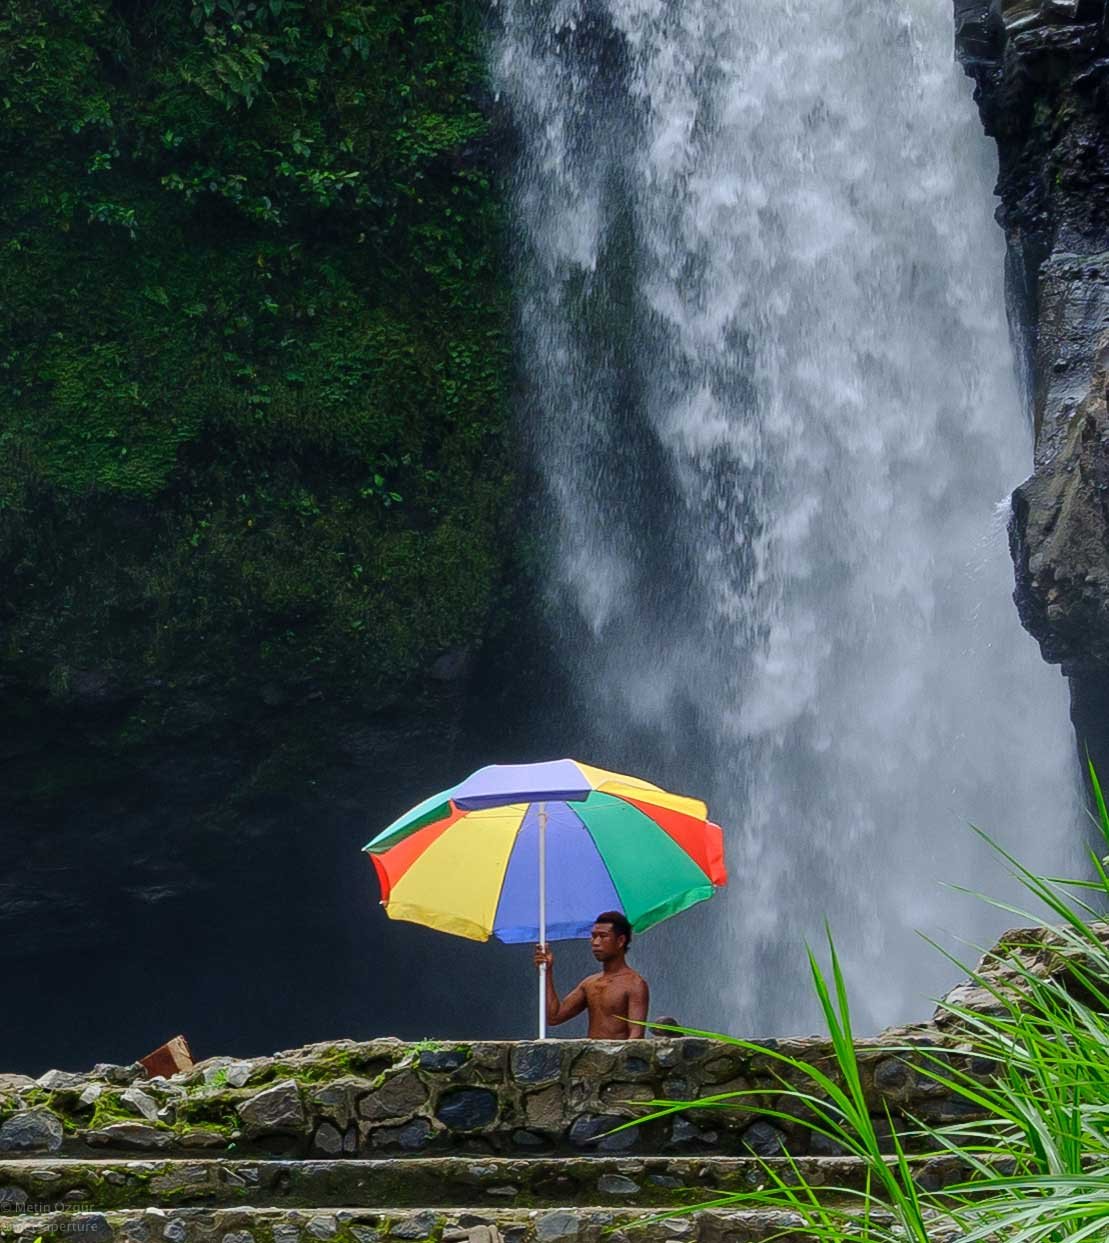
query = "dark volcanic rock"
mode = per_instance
[
  {"x": 467, "y": 1109},
  {"x": 411, "y": 1137},
  {"x": 592, "y": 1133},
  {"x": 764, "y": 1140},
  {"x": 537, "y": 1063},
  {"x": 443, "y": 1059},
  {"x": 1041, "y": 69},
  {"x": 1060, "y": 530}
]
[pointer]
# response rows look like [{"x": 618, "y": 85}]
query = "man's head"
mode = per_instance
[{"x": 610, "y": 937}]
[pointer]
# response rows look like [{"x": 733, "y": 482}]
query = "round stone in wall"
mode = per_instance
[{"x": 467, "y": 1109}]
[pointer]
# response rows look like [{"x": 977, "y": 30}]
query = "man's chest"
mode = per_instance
[{"x": 611, "y": 996}]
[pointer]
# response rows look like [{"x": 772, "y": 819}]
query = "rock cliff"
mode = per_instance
[
  {"x": 257, "y": 485},
  {"x": 1041, "y": 69}
]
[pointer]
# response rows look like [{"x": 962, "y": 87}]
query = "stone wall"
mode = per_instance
[{"x": 386, "y": 1098}]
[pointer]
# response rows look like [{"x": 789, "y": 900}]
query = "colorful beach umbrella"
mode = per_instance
[{"x": 532, "y": 852}]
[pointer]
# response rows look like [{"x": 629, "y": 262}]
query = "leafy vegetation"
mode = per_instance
[
  {"x": 253, "y": 371},
  {"x": 1038, "y": 1164}
]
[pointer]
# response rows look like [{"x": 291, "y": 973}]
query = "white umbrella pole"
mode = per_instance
[{"x": 543, "y": 918}]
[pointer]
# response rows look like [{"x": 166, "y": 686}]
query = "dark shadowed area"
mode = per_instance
[{"x": 268, "y": 935}]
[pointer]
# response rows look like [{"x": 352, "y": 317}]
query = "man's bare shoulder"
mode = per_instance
[
  {"x": 635, "y": 979},
  {"x": 629, "y": 974}
]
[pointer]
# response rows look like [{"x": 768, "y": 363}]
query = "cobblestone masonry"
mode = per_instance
[{"x": 387, "y": 1098}]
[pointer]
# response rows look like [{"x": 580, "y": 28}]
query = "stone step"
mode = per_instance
[
  {"x": 593, "y": 1224},
  {"x": 493, "y": 1181}
]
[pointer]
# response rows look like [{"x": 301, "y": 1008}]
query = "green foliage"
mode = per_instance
[
  {"x": 253, "y": 371},
  {"x": 1039, "y": 1160}
]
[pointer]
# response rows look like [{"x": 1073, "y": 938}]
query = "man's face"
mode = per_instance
[{"x": 604, "y": 942}]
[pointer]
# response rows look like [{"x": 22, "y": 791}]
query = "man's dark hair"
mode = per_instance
[{"x": 619, "y": 924}]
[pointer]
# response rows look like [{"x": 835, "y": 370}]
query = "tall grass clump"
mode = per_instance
[{"x": 1031, "y": 1065}]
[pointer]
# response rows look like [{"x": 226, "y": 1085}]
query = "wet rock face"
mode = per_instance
[
  {"x": 1059, "y": 534},
  {"x": 1041, "y": 69}
]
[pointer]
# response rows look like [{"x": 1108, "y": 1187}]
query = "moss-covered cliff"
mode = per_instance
[
  {"x": 252, "y": 377},
  {"x": 256, "y": 499}
]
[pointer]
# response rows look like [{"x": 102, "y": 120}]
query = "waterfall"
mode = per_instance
[{"x": 770, "y": 398}]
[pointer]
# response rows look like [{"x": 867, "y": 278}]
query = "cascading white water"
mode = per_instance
[{"x": 772, "y": 402}]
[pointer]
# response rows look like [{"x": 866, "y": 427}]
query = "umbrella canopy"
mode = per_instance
[{"x": 469, "y": 860}]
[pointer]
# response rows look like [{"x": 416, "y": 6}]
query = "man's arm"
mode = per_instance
[
  {"x": 574, "y": 1002},
  {"x": 639, "y": 998}
]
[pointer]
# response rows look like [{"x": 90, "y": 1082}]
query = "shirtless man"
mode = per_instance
[{"x": 616, "y": 996}]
